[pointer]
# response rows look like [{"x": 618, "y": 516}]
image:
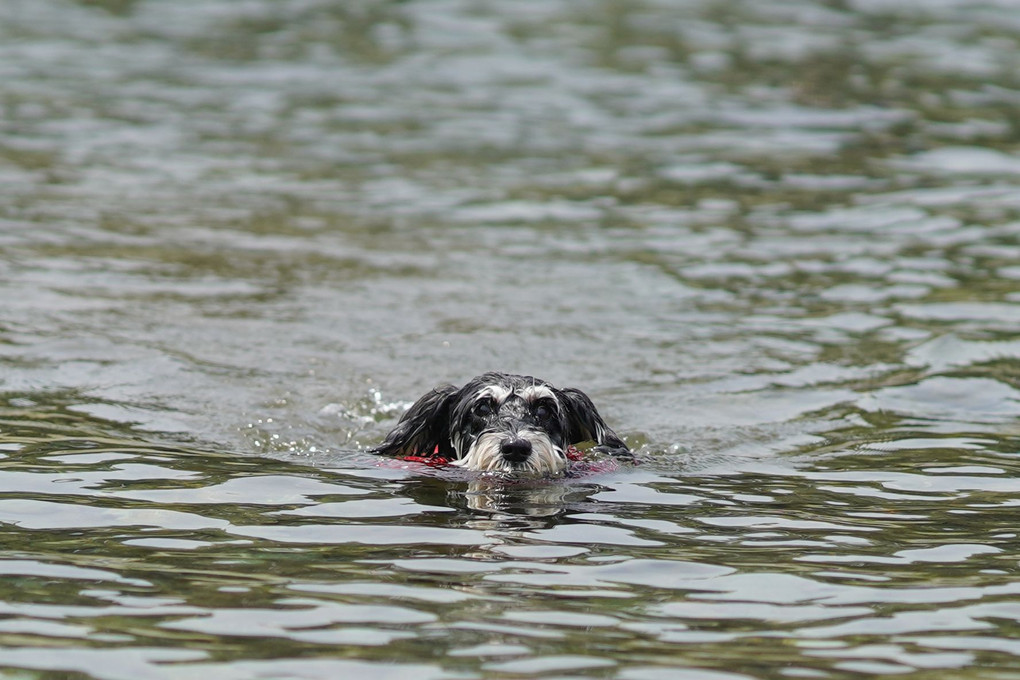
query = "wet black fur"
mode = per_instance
[{"x": 448, "y": 415}]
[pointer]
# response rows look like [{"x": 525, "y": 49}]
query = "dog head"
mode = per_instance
[{"x": 500, "y": 422}]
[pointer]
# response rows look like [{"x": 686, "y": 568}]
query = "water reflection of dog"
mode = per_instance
[
  {"x": 499, "y": 495},
  {"x": 512, "y": 424}
]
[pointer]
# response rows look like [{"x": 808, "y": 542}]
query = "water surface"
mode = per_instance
[{"x": 777, "y": 243}]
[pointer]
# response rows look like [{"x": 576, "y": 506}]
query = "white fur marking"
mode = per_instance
[
  {"x": 485, "y": 455},
  {"x": 536, "y": 392},
  {"x": 497, "y": 392}
]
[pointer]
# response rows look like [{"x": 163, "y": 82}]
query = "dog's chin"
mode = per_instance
[{"x": 546, "y": 459}]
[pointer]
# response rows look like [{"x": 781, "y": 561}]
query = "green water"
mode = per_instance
[{"x": 777, "y": 243}]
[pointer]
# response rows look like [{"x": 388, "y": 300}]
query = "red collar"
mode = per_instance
[{"x": 436, "y": 460}]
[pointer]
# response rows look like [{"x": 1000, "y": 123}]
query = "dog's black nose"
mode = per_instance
[{"x": 515, "y": 450}]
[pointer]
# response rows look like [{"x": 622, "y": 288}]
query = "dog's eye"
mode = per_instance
[
  {"x": 543, "y": 411},
  {"x": 483, "y": 408}
]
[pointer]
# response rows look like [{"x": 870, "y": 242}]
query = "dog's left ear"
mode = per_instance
[
  {"x": 424, "y": 429},
  {"x": 586, "y": 424}
]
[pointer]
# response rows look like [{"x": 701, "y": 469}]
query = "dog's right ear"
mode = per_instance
[{"x": 425, "y": 429}]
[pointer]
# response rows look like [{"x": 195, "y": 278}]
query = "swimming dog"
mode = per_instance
[{"x": 499, "y": 422}]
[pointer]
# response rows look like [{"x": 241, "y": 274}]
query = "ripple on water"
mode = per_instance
[
  {"x": 775, "y": 242},
  {"x": 963, "y": 400}
]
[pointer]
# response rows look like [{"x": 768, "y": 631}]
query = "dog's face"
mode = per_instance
[
  {"x": 511, "y": 425},
  {"x": 501, "y": 423}
]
